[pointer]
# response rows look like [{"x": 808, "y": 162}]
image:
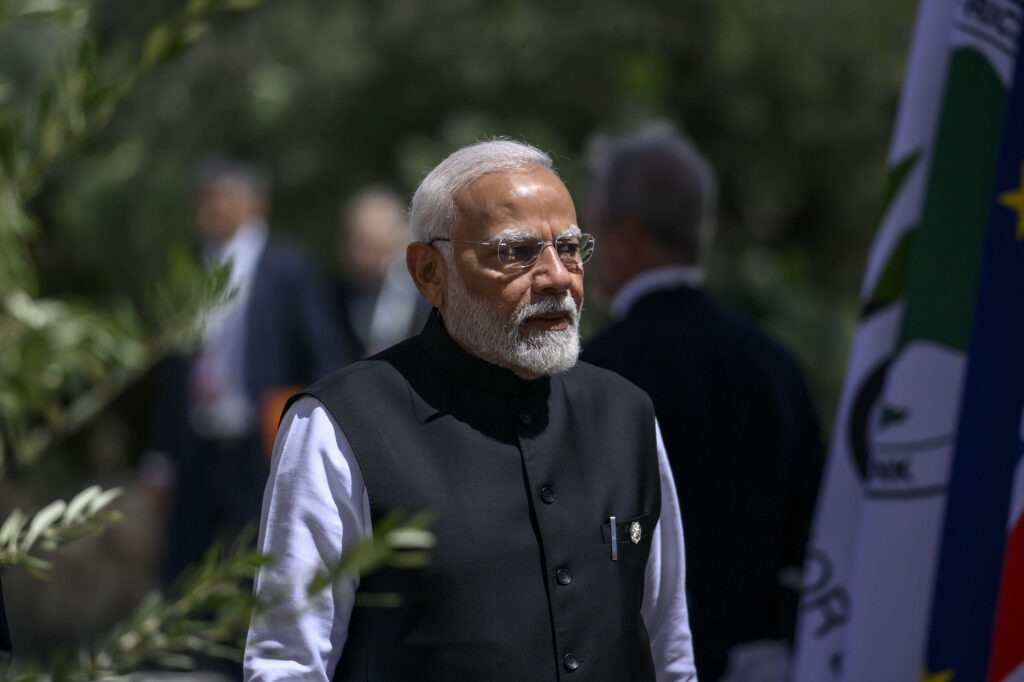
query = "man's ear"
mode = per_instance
[{"x": 429, "y": 272}]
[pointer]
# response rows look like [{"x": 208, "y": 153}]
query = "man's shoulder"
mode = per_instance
[
  {"x": 659, "y": 318},
  {"x": 587, "y": 372},
  {"x": 672, "y": 320},
  {"x": 615, "y": 335},
  {"x": 600, "y": 383}
]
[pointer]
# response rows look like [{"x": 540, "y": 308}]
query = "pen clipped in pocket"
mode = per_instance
[{"x": 632, "y": 530}]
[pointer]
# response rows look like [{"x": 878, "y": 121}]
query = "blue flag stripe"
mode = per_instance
[{"x": 988, "y": 442}]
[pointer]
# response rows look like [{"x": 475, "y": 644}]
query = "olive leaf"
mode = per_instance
[
  {"x": 53, "y": 526},
  {"x": 47, "y": 517}
]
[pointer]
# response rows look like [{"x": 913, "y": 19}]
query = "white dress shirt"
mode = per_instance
[
  {"x": 316, "y": 506},
  {"x": 220, "y": 407}
]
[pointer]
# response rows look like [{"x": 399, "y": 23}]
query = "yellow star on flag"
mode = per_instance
[
  {"x": 943, "y": 676},
  {"x": 1014, "y": 200}
]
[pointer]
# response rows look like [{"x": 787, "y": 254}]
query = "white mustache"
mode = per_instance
[{"x": 552, "y": 304}]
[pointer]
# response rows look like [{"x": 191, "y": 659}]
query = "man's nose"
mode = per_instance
[{"x": 550, "y": 275}]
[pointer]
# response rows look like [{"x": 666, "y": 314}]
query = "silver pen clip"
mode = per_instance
[{"x": 615, "y": 539}]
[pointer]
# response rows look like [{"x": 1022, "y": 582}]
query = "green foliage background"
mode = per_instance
[
  {"x": 793, "y": 102},
  {"x": 105, "y": 106}
]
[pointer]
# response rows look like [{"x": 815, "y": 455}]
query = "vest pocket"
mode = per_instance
[{"x": 629, "y": 531}]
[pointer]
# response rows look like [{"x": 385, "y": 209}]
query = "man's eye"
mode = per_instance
[
  {"x": 520, "y": 252},
  {"x": 569, "y": 248}
]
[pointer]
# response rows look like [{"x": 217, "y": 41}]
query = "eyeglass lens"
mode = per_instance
[{"x": 573, "y": 251}]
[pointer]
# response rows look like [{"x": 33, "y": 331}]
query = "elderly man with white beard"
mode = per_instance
[{"x": 559, "y": 548}]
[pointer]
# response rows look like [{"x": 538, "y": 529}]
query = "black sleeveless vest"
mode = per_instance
[{"x": 523, "y": 477}]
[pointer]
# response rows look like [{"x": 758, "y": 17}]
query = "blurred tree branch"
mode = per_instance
[
  {"x": 211, "y": 614},
  {"x": 57, "y": 524},
  {"x": 74, "y": 101},
  {"x": 64, "y": 360}
]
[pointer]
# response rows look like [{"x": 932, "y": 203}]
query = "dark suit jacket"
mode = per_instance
[
  {"x": 746, "y": 453},
  {"x": 293, "y": 334}
]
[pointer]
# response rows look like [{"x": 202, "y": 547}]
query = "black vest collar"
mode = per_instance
[{"x": 472, "y": 370}]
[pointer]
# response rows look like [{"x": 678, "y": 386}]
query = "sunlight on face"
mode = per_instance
[{"x": 524, "y": 319}]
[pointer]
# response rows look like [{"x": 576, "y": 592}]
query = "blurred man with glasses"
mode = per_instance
[
  {"x": 740, "y": 431},
  {"x": 559, "y": 552}
]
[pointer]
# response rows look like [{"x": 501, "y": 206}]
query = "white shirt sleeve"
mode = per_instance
[
  {"x": 664, "y": 608},
  {"x": 315, "y": 506}
]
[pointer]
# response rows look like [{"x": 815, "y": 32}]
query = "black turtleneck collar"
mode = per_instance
[{"x": 470, "y": 369}]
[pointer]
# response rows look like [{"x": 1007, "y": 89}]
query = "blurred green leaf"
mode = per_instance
[
  {"x": 55, "y": 525},
  {"x": 212, "y": 606},
  {"x": 79, "y": 503},
  {"x": 157, "y": 43},
  {"x": 41, "y": 522},
  {"x": 10, "y": 531}
]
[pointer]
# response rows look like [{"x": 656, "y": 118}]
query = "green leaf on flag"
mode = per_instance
[
  {"x": 892, "y": 415},
  {"x": 893, "y": 279},
  {"x": 894, "y": 180}
]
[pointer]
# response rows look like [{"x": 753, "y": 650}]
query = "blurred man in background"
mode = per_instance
[
  {"x": 740, "y": 431},
  {"x": 277, "y": 332},
  {"x": 378, "y": 302}
]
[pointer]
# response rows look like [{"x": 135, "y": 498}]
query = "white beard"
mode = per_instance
[{"x": 480, "y": 329}]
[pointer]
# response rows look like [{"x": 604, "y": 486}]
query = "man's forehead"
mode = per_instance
[
  {"x": 506, "y": 199},
  {"x": 510, "y": 185}
]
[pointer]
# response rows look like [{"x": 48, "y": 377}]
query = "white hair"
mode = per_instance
[{"x": 433, "y": 210}]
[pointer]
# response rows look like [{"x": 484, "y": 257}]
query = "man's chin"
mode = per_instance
[{"x": 546, "y": 352}]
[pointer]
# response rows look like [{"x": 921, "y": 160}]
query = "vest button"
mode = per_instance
[
  {"x": 563, "y": 576},
  {"x": 525, "y": 418},
  {"x": 547, "y": 495},
  {"x": 570, "y": 662}
]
